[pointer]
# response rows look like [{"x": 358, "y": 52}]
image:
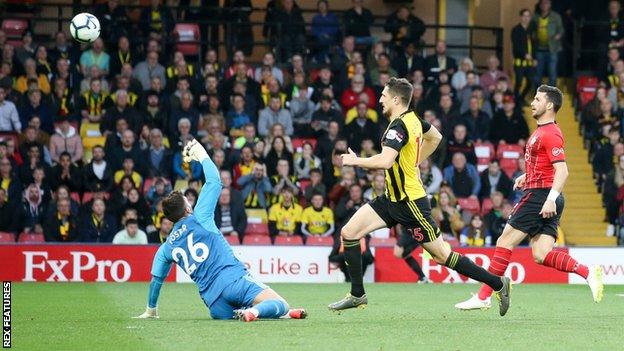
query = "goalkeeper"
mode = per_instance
[{"x": 196, "y": 246}]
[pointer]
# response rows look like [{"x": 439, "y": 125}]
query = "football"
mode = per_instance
[{"x": 85, "y": 27}]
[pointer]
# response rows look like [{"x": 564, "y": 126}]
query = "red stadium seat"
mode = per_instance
[
  {"x": 257, "y": 229},
  {"x": 147, "y": 183},
  {"x": 31, "y": 238},
  {"x": 486, "y": 206},
  {"x": 4, "y": 136},
  {"x": 320, "y": 241},
  {"x": 256, "y": 240},
  {"x": 14, "y": 28},
  {"x": 6, "y": 237},
  {"x": 382, "y": 242},
  {"x": 86, "y": 197},
  {"x": 187, "y": 38},
  {"x": 294, "y": 240},
  {"x": 303, "y": 184},
  {"x": 469, "y": 204},
  {"x": 509, "y": 166},
  {"x": 298, "y": 142},
  {"x": 485, "y": 153},
  {"x": 232, "y": 240},
  {"x": 75, "y": 196},
  {"x": 509, "y": 151}
]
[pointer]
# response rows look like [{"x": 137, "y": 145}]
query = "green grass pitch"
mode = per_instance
[{"x": 398, "y": 317}]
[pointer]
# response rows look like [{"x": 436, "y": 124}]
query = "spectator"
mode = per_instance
[
  {"x": 324, "y": 80},
  {"x": 408, "y": 61},
  {"x": 62, "y": 50},
  {"x": 278, "y": 152},
  {"x": 13, "y": 154},
  {"x": 317, "y": 220},
  {"x": 113, "y": 20},
  {"x": 32, "y": 211},
  {"x": 283, "y": 179},
  {"x": 98, "y": 174},
  {"x": 36, "y": 107},
  {"x": 34, "y": 135},
  {"x": 124, "y": 55},
  {"x": 128, "y": 170},
  {"x": 290, "y": 30},
  {"x": 285, "y": 216},
  {"x": 92, "y": 104},
  {"x": 186, "y": 110},
  {"x": 495, "y": 180},
  {"x": 156, "y": 20},
  {"x": 256, "y": 187},
  {"x": 489, "y": 79},
  {"x": 360, "y": 128},
  {"x": 462, "y": 177},
  {"x": 241, "y": 38},
  {"x": 305, "y": 161},
  {"x": 476, "y": 121},
  {"x": 144, "y": 71},
  {"x": 405, "y": 28},
  {"x": 522, "y": 40},
  {"x": 351, "y": 96},
  {"x": 158, "y": 157},
  {"x": 158, "y": 191},
  {"x": 65, "y": 140},
  {"x": 131, "y": 235},
  {"x": 43, "y": 65},
  {"x": 8, "y": 209},
  {"x": 33, "y": 160},
  {"x": 98, "y": 225},
  {"x": 438, "y": 62},
  {"x": 316, "y": 185},
  {"x": 431, "y": 176},
  {"x": 549, "y": 32},
  {"x": 459, "y": 80},
  {"x": 378, "y": 188},
  {"x": 459, "y": 143},
  {"x": 272, "y": 114},
  {"x": 70, "y": 76},
  {"x": 268, "y": 61},
  {"x": 62, "y": 100},
  {"x": 484, "y": 104},
  {"x": 604, "y": 155},
  {"x": 446, "y": 215},
  {"x": 237, "y": 117},
  {"x": 248, "y": 138},
  {"x": 357, "y": 21},
  {"x": 94, "y": 73},
  {"x": 322, "y": 117},
  {"x": 8, "y": 181},
  {"x": 518, "y": 193},
  {"x": 476, "y": 233},
  {"x": 301, "y": 108},
  {"x": 96, "y": 56},
  {"x": 496, "y": 219},
  {"x": 136, "y": 201},
  {"x": 9, "y": 118},
  {"x": 160, "y": 236},
  {"x": 349, "y": 203},
  {"x": 230, "y": 216},
  {"x": 31, "y": 80},
  {"x": 383, "y": 66},
  {"x": 60, "y": 225},
  {"x": 128, "y": 149},
  {"x": 447, "y": 113},
  {"x": 65, "y": 173},
  {"x": 509, "y": 126},
  {"x": 325, "y": 29}
]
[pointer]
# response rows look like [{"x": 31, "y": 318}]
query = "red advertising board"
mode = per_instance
[
  {"x": 522, "y": 268},
  {"x": 77, "y": 263}
]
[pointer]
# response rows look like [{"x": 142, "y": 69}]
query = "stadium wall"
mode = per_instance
[{"x": 270, "y": 264}]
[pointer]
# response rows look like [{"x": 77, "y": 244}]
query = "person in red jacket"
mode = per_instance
[{"x": 350, "y": 97}]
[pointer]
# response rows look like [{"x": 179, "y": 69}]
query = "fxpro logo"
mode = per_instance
[{"x": 81, "y": 262}]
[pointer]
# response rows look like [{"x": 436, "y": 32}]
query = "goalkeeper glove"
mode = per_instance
[
  {"x": 194, "y": 151},
  {"x": 149, "y": 313}
]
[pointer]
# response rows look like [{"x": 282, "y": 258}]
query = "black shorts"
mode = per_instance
[
  {"x": 525, "y": 216},
  {"x": 414, "y": 216},
  {"x": 407, "y": 242}
]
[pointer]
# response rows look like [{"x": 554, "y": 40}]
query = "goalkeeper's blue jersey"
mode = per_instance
[{"x": 197, "y": 246}]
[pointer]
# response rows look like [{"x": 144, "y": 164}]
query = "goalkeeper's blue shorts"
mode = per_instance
[{"x": 240, "y": 294}]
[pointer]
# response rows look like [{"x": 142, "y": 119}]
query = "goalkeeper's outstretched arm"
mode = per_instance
[
  {"x": 209, "y": 195},
  {"x": 160, "y": 270}
]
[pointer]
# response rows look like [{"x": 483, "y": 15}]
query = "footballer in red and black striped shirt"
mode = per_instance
[{"x": 538, "y": 212}]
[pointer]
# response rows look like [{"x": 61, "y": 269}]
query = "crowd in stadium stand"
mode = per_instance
[{"x": 98, "y": 129}]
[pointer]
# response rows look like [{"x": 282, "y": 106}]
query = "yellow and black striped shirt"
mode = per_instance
[{"x": 405, "y": 134}]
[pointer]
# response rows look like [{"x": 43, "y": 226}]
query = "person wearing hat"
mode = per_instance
[
  {"x": 65, "y": 139},
  {"x": 508, "y": 126}
]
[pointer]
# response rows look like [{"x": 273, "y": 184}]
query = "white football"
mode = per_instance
[{"x": 85, "y": 27}]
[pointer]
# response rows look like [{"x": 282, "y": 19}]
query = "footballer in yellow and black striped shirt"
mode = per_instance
[{"x": 406, "y": 142}]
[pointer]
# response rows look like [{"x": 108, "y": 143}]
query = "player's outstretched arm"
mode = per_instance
[
  {"x": 384, "y": 160},
  {"x": 431, "y": 140},
  {"x": 207, "y": 200},
  {"x": 160, "y": 269}
]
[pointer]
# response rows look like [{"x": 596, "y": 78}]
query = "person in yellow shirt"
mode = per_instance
[
  {"x": 317, "y": 220},
  {"x": 128, "y": 170},
  {"x": 285, "y": 216}
]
